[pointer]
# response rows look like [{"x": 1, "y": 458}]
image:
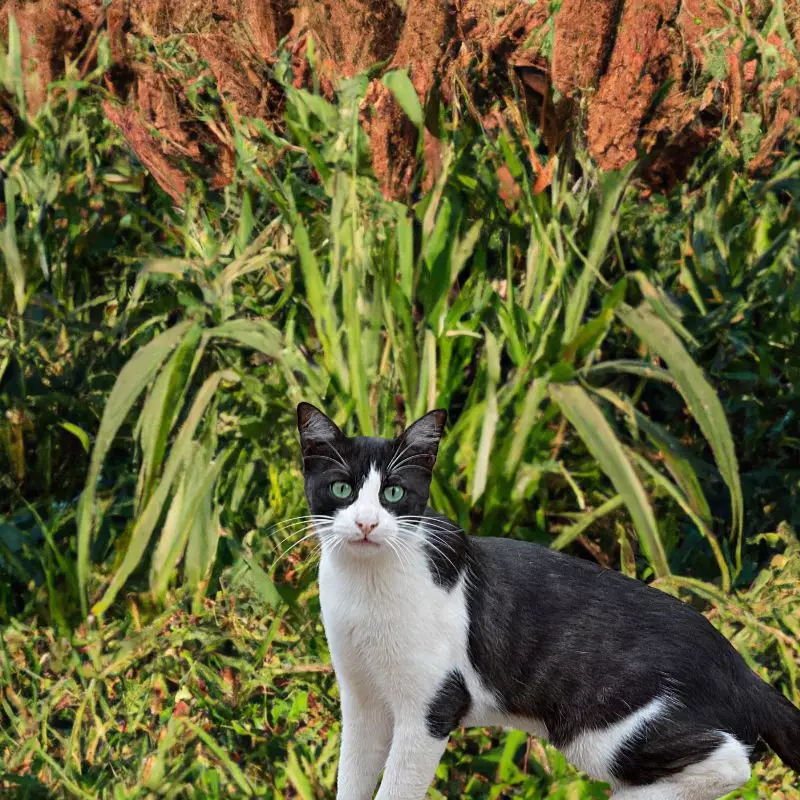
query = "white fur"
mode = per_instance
[
  {"x": 593, "y": 751},
  {"x": 394, "y": 636}
]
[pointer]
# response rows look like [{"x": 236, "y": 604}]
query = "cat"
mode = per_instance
[{"x": 430, "y": 630}]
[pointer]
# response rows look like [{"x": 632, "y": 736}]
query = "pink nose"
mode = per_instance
[{"x": 366, "y": 527}]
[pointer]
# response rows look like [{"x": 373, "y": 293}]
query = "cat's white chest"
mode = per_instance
[{"x": 391, "y": 631}]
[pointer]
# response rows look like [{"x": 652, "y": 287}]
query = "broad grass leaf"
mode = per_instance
[
  {"x": 256, "y": 333},
  {"x": 399, "y": 84},
  {"x": 464, "y": 248},
  {"x": 681, "y": 463},
  {"x": 14, "y": 76},
  {"x": 318, "y": 302},
  {"x": 161, "y": 408},
  {"x": 405, "y": 252},
  {"x": 180, "y": 451},
  {"x": 701, "y": 400},
  {"x": 10, "y": 250},
  {"x": 661, "y": 303},
  {"x": 677, "y": 495},
  {"x": 490, "y": 420},
  {"x": 632, "y": 367},
  {"x": 602, "y": 443},
  {"x": 201, "y": 547},
  {"x": 132, "y": 380},
  {"x": 167, "y": 551}
]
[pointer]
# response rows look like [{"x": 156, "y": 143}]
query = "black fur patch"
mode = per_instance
[
  {"x": 446, "y": 547},
  {"x": 449, "y": 706},
  {"x": 666, "y": 746}
]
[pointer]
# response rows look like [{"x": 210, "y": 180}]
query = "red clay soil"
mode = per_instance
[
  {"x": 583, "y": 38},
  {"x": 640, "y": 62},
  {"x": 392, "y": 138},
  {"x": 607, "y": 62}
]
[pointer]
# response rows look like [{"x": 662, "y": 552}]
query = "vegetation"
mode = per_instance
[{"x": 621, "y": 369}]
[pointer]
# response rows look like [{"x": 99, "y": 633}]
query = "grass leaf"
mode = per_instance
[
  {"x": 602, "y": 443},
  {"x": 399, "y": 84},
  {"x": 132, "y": 380},
  {"x": 701, "y": 400}
]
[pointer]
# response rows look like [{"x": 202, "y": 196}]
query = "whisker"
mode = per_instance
[
  {"x": 403, "y": 464},
  {"x": 434, "y": 546},
  {"x": 397, "y": 553},
  {"x": 431, "y": 524},
  {"x": 303, "y": 528},
  {"x": 437, "y": 532},
  {"x": 338, "y": 455},
  {"x": 435, "y": 536},
  {"x": 296, "y": 544},
  {"x": 397, "y": 455},
  {"x": 327, "y": 458},
  {"x": 294, "y": 521},
  {"x": 427, "y": 518}
]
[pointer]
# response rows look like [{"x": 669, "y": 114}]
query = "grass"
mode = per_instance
[
  {"x": 621, "y": 370},
  {"x": 234, "y": 700}
]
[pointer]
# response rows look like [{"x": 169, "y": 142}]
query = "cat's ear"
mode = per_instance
[
  {"x": 315, "y": 428},
  {"x": 427, "y": 430},
  {"x": 424, "y": 435}
]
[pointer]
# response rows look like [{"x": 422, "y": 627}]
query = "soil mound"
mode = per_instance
[{"x": 658, "y": 76}]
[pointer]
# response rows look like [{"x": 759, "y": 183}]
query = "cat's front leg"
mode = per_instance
[
  {"x": 412, "y": 763},
  {"x": 366, "y": 735}
]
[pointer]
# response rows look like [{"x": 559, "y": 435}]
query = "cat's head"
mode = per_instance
[{"x": 366, "y": 493}]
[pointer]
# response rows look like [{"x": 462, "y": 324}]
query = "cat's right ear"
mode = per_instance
[{"x": 315, "y": 428}]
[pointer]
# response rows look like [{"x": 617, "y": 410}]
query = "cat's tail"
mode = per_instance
[{"x": 779, "y": 724}]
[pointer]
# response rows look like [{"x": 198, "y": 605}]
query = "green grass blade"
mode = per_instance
[
  {"x": 161, "y": 408},
  {"x": 201, "y": 547},
  {"x": 15, "y": 70},
  {"x": 235, "y": 772},
  {"x": 570, "y": 534},
  {"x": 180, "y": 451},
  {"x": 602, "y": 443},
  {"x": 256, "y": 333},
  {"x": 320, "y": 305},
  {"x": 399, "y": 84},
  {"x": 10, "y": 250},
  {"x": 613, "y": 185},
  {"x": 675, "y": 493},
  {"x": 132, "y": 380},
  {"x": 701, "y": 400},
  {"x": 530, "y": 412},
  {"x": 167, "y": 551},
  {"x": 678, "y": 459}
]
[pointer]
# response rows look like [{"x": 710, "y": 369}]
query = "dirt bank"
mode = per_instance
[{"x": 629, "y": 77}]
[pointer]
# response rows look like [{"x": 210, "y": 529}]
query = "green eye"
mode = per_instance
[
  {"x": 394, "y": 494},
  {"x": 341, "y": 489}
]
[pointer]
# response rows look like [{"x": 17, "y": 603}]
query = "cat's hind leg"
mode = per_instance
[{"x": 720, "y": 770}]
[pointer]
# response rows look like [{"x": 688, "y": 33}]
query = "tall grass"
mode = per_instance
[
  {"x": 532, "y": 316},
  {"x": 455, "y": 300}
]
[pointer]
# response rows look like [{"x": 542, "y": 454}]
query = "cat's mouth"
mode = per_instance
[{"x": 364, "y": 543}]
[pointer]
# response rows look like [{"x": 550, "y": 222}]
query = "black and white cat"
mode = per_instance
[{"x": 430, "y": 629}]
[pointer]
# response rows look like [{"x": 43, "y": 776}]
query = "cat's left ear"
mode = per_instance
[
  {"x": 424, "y": 435},
  {"x": 315, "y": 428}
]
